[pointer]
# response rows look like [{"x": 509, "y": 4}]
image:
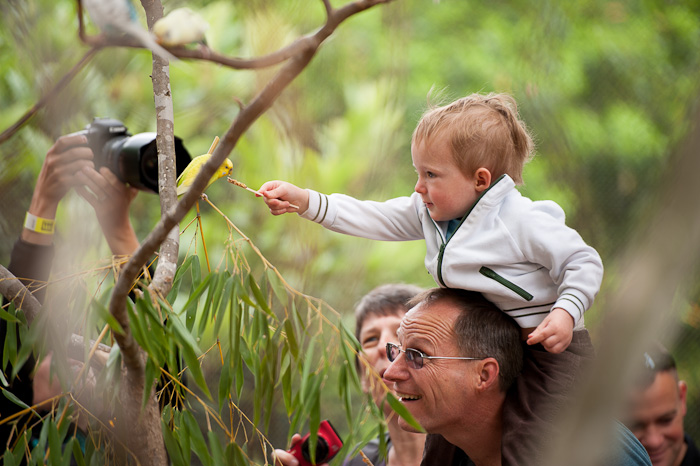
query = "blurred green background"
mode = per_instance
[{"x": 606, "y": 88}]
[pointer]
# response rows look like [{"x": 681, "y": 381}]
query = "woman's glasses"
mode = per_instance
[{"x": 414, "y": 357}]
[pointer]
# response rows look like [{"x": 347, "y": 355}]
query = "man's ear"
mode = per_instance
[
  {"x": 488, "y": 374},
  {"x": 682, "y": 393},
  {"x": 482, "y": 179}
]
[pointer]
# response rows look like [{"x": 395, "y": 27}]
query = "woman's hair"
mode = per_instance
[
  {"x": 384, "y": 300},
  {"x": 483, "y": 131}
]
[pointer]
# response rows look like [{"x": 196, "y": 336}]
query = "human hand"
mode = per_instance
[
  {"x": 284, "y": 458},
  {"x": 555, "y": 332},
  {"x": 279, "y": 195},
  {"x": 61, "y": 170},
  {"x": 111, "y": 199}
]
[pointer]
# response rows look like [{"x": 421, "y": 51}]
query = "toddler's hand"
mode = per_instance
[
  {"x": 280, "y": 195},
  {"x": 555, "y": 332}
]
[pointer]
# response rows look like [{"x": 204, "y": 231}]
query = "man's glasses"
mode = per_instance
[{"x": 414, "y": 357}]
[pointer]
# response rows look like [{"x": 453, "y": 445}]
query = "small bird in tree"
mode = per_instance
[
  {"x": 118, "y": 17},
  {"x": 184, "y": 181},
  {"x": 181, "y": 26}
]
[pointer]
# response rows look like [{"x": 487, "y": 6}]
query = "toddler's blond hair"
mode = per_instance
[{"x": 483, "y": 131}]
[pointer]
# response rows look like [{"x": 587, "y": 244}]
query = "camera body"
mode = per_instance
[
  {"x": 133, "y": 159},
  {"x": 327, "y": 446}
]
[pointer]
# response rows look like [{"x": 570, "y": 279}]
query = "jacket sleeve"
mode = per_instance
[
  {"x": 31, "y": 264},
  {"x": 574, "y": 266},
  {"x": 393, "y": 220}
]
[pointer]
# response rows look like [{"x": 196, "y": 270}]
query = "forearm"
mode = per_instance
[
  {"x": 393, "y": 220},
  {"x": 120, "y": 237}
]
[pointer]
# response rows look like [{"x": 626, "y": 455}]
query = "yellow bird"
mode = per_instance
[{"x": 184, "y": 181}]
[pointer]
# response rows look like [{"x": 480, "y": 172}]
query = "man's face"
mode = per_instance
[
  {"x": 437, "y": 395},
  {"x": 656, "y": 419}
]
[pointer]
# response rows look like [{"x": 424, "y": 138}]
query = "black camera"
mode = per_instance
[
  {"x": 327, "y": 446},
  {"x": 133, "y": 159}
]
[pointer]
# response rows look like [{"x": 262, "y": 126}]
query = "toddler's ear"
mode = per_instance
[{"x": 482, "y": 179}]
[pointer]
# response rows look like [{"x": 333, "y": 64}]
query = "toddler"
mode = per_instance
[{"x": 481, "y": 234}]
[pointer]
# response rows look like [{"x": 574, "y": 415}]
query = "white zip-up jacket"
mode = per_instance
[{"x": 519, "y": 253}]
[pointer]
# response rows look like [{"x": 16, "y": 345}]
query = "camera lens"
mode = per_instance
[{"x": 321, "y": 450}]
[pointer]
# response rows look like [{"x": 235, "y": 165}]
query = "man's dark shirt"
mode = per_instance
[{"x": 692, "y": 455}]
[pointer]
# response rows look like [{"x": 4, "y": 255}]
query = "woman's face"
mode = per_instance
[{"x": 376, "y": 332}]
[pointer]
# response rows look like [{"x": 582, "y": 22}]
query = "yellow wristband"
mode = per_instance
[{"x": 40, "y": 225}]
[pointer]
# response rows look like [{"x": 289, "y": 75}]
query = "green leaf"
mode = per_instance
[
  {"x": 13, "y": 398},
  {"x": 78, "y": 454},
  {"x": 291, "y": 337},
  {"x": 4, "y": 315},
  {"x": 401, "y": 410},
  {"x": 190, "y": 308},
  {"x": 184, "y": 267},
  {"x": 259, "y": 298},
  {"x": 173, "y": 446},
  {"x": 102, "y": 312},
  {"x": 55, "y": 456},
  {"x": 199, "y": 446},
  {"x": 226, "y": 305},
  {"x": 213, "y": 295},
  {"x": 189, "y": 352},
  {"x": 225, "y": 381},
  {"x": 9, "y": 460},
  {"x": 152, "y": 371},
  {"x": 217, "y": 452},
  {"x": 277, "y": 286}
]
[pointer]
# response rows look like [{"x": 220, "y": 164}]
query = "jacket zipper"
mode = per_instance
[
  {"x": 485, "y": 271},
  {"x": 445, "y": 241}
]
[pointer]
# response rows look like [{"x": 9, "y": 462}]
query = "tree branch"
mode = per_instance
[
  {"x": 48, "y": 96},
  {"x": 14, "y": 290}
]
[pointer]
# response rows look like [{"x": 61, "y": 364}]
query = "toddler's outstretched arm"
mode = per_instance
[
  {"x": 555, "y": 332},
  {"x": 280, "y": 195}
]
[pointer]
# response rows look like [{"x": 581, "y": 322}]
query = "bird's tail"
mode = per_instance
[{"x": 147, "y": 41}]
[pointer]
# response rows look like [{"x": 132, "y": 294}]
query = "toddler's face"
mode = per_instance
[{"x": 445, "y": 190}]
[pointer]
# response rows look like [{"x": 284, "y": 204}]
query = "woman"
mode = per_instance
[{"x": 377, "y": 316}]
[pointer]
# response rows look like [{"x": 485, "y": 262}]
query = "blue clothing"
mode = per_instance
[{"x": 630, "y": 452}]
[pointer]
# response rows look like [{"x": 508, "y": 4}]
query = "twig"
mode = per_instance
[
  {"x": 213, "y": 145},
  {"x": 199, "y": 222},
  {"x": 49, "y": 95},
  {"x": 244, "y": 186}
]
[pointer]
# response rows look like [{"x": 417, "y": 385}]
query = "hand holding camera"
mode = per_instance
[
  {"x": 132, "y": 158},
  {"x": 328, "y": 444}
]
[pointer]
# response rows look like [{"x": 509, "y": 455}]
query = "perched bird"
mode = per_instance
[
  {"x": 118, "y": 17},
  {"x": 184, "y": 181},
  {"x": 181, "y": 26}
]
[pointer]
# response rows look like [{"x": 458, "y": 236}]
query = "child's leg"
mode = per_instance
[{"x": 533, "y": 404}]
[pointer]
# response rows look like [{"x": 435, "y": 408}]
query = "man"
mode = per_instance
[
  {"x": 656, "y": 412},
  {"x": 457, "y": 357}
]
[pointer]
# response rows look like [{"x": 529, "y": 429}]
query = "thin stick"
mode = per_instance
[
  {"x": 244, "y": 186},
  {"x": 213, "y": 145},
  {"x": 199, "y": 221}
]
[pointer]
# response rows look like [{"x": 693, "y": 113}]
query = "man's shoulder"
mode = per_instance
[{"x": 692, "y": 455}]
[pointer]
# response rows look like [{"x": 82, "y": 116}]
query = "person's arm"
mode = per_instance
[
  {"x": 32, "y": 255},
  {"x": 111, "y": 199},
  {"x": 574, "y": 266},
  {"x": 397, "y": 219},
  {"x": 62, "y": 170}
]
